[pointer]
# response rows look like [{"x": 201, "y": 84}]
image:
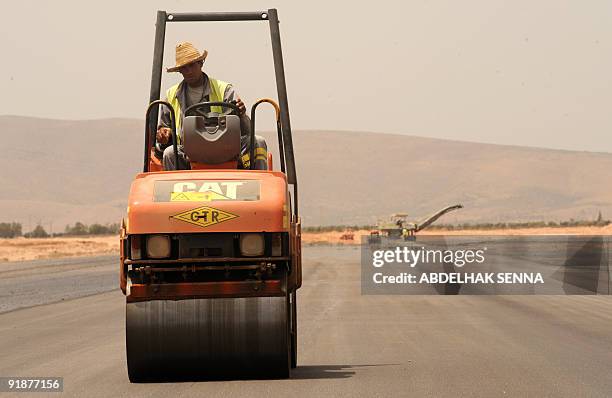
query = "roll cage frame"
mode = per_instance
[{"x": 285, "y": 141}]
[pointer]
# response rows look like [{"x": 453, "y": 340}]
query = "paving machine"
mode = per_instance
[
  {"x": 398, "y": 226},
  {"x": 211, "y": 256}
]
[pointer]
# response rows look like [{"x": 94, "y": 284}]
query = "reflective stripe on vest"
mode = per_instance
[
  {"x": 260, "y": 154},
  {"x": 217, "y": 93}
]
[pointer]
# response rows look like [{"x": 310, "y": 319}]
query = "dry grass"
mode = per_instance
[
  {"x": 22, "y": 249},
  {"x": 334, "y": 237}
]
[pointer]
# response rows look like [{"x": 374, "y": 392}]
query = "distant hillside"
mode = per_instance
[{"x": 65, "y": 171}]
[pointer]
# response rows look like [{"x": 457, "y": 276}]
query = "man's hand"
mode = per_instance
[
  {"x": 163, "y": 135},
  {"x": 241, "y": 106}
]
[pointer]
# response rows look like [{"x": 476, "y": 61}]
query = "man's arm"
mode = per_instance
[
  {"x": 164, "y": 118},
  {"x": 245, "y": 122},
  {"x": 163, "y": 128}
]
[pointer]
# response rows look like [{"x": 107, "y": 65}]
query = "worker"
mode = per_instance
[{"x": 197, "y": 87}]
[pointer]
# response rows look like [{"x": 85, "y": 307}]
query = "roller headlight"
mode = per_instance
[
  {"x": 158, "y": 246},
  {"x": 252, "y": 245}
]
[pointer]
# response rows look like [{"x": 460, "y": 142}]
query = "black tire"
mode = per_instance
[
  {"x": 284, "y": 370},
  {"x": 294, "y": 329},
  {"x": 135, "y": 374},
  {"x": 136, "y": 366},
  {"x": 154, "y": 353},
  {"x": 281, "y": 369}
]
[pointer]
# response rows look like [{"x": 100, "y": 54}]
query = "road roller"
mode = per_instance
[{"x": 210, "y": 256}]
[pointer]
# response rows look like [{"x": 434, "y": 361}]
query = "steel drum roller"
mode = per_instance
[{"x": 204, "y": 336}]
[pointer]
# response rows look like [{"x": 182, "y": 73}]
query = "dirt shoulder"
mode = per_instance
[
  {"x": 21, "y": 249},
  {"x": 335, "y": 237}
]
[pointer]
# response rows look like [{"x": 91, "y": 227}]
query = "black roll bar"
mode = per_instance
[
  {"x": 217, "y": 16},
  {"x": 271, "y": 15},
  {"x": 281, "y": 88},
  {"x": 156, "y": 72}
]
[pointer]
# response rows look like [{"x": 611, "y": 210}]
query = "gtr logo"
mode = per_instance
[{"x": 204, "y": 216}]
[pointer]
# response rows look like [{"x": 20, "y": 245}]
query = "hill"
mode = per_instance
[{"x": 59, "y": 172}]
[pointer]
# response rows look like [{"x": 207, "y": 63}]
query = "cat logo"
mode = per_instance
[
  {"x": 204, "y": 216},
  {"x": 206, "y": 190}
]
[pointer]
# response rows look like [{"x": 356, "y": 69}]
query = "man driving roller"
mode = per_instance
[{"x": 197, "y": 87}]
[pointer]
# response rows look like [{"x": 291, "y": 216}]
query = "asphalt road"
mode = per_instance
[
  {"x": 349, "y": 345},
  {"x": 30, "y": 283}
]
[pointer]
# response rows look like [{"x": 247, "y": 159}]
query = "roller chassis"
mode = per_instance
[{"x": 208, "y": 304}]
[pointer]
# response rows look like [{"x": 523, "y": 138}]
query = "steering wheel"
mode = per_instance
[{"x": 233, "y": 109}]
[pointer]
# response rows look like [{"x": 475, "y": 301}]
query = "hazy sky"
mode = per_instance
[{"x": 510, "y": 72}]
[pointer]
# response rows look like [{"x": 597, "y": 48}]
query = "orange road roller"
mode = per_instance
[{"x": 211, "y": 255}]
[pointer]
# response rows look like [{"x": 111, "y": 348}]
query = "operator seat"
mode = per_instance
[{"x": 212, "y": 142}]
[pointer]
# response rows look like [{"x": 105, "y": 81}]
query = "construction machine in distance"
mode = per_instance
[
  {"x": 211, "y": 256},
  {"x": 398, "y": 226}
]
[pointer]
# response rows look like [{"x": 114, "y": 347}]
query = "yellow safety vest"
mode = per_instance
[{"x": 217, "y": 93}]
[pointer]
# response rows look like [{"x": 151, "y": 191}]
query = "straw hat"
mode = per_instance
[{"x": 186, "y": 54}]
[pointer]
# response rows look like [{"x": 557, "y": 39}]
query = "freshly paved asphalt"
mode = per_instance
[{"x": 66, "y": 318}]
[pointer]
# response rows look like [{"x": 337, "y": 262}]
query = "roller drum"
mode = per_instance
[{"x": 208, "y": 337}]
